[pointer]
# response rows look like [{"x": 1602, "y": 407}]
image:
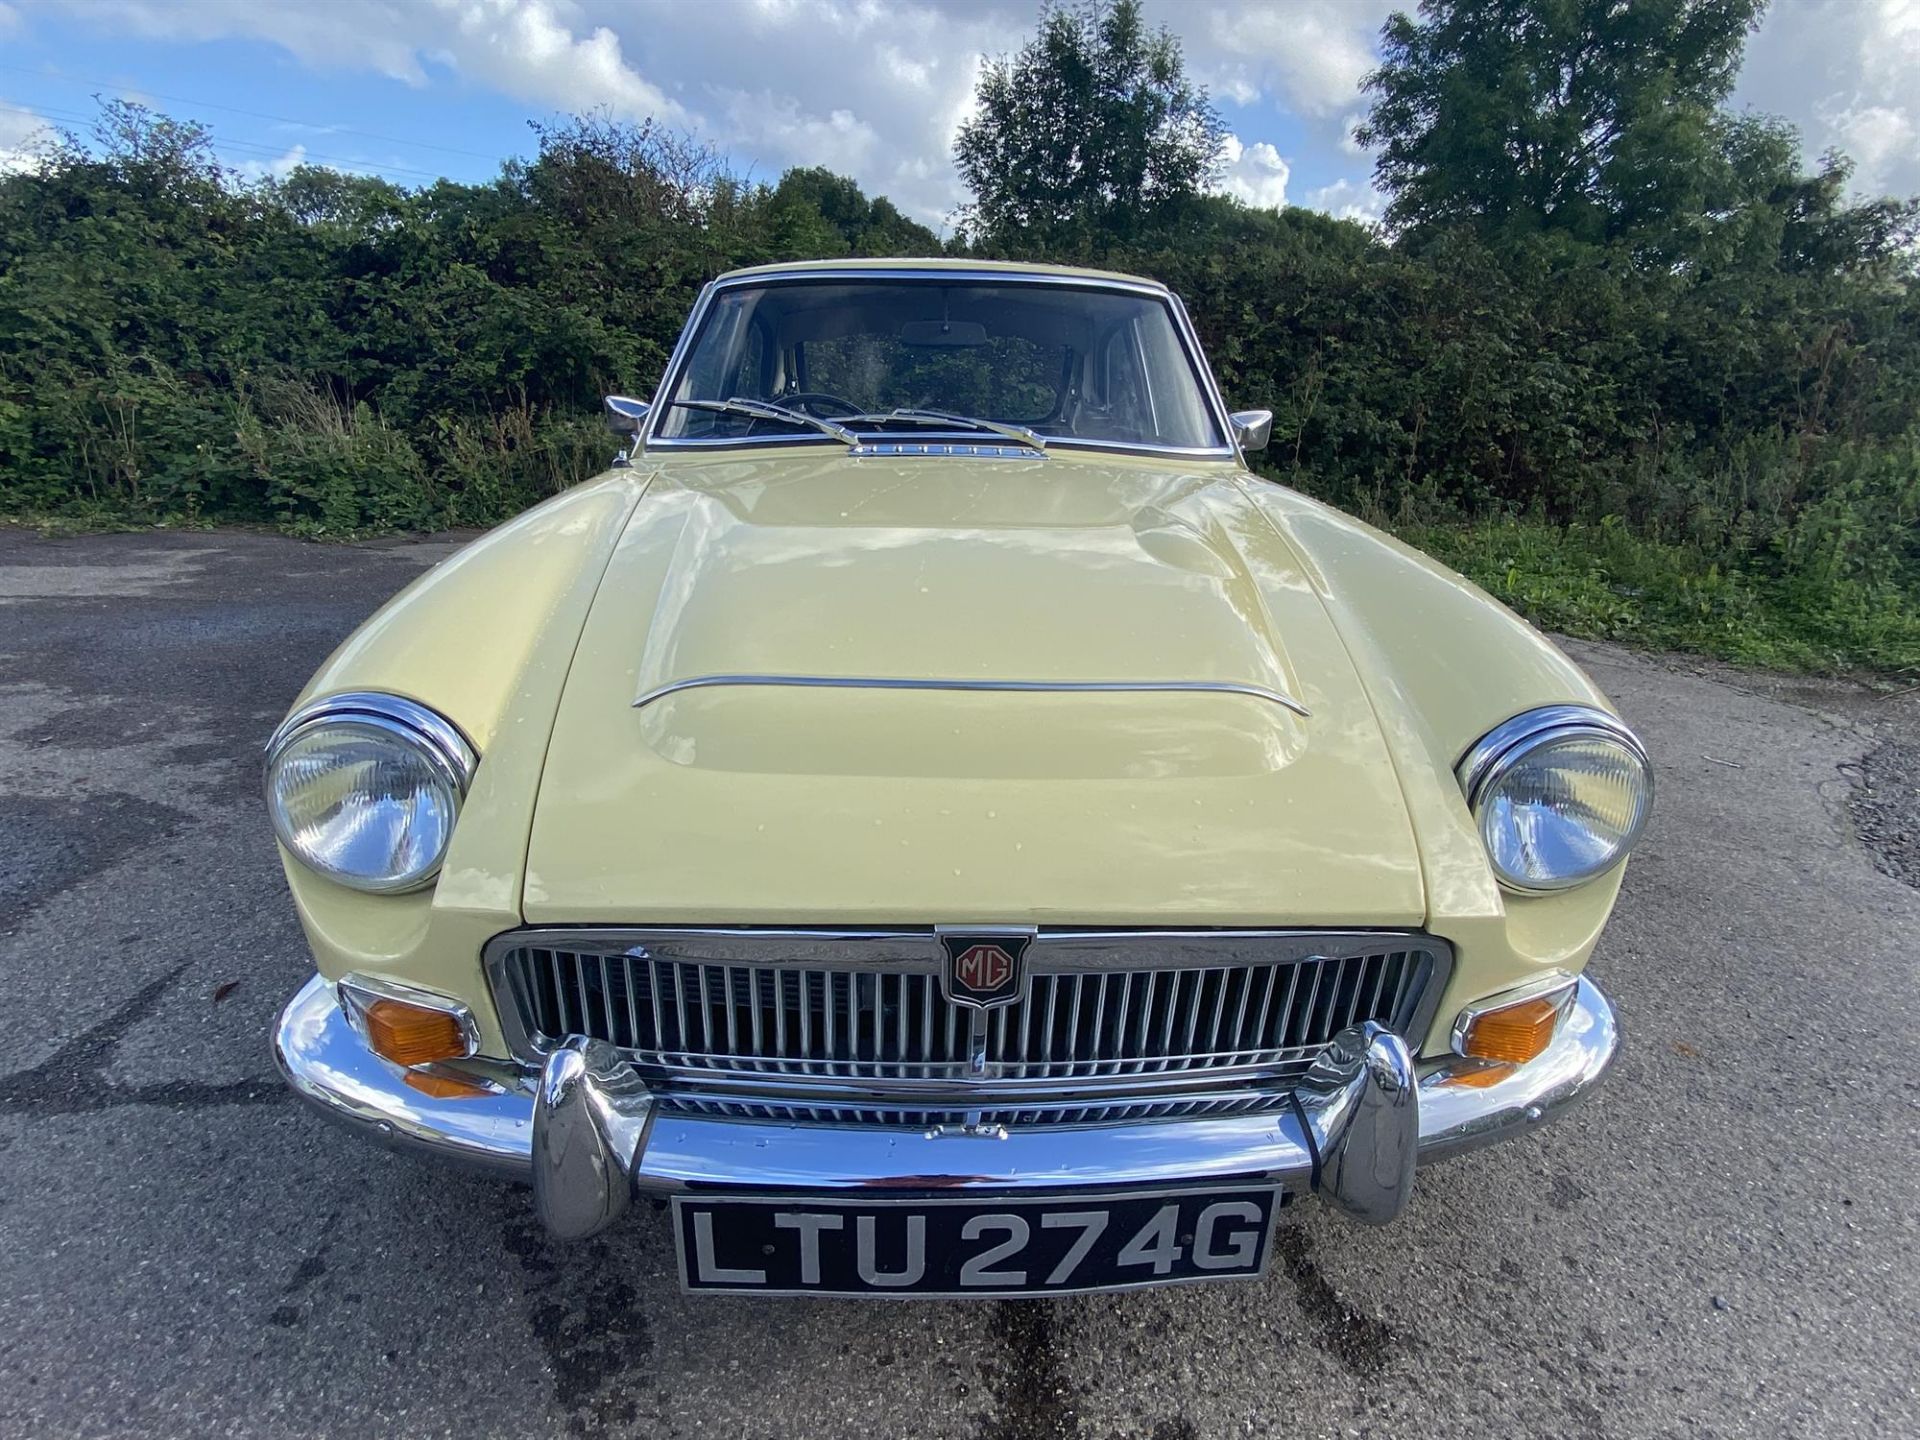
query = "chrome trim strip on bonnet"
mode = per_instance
[{"x": 1041, "y": 687}]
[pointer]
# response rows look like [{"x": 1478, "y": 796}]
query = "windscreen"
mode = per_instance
[{"x": 1070, "y": 364}]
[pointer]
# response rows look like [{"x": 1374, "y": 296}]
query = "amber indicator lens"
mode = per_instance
[
  {"x": 446, "y": 1087},
  {"x": 1514, "y": 1033},
  {"x": 412, "y": 1034},
  {"x": 1481, "y": 1078}
]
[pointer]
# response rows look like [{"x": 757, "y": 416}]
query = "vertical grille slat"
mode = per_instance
[
  {"x": 1026, "y": 1022},
  {"x": 1379, "y": 983},
  {"x": 1239, "y": 1031},
  {"x": 580, "y": 991},
  {"x": 832, "y": 1017},
  {"x": 656, "y": 1014},
  {"x": 1254, "y": 1041},
  {"x": 1212, "y": 1046},
  {"x": 603, "y": 1012},
  {"x": 1300, "y": 1022},
  {"x": 1172, "y": 1017},
  {"x": 633, "y": 1008},
  {"x": 782, "y": 1017},
  {"x": 1146, "y": 1020},
  {"x": 1101, "y": 983},
  {"x": 925, "y": 985},
  {"x": 1073, "y": 1046}
]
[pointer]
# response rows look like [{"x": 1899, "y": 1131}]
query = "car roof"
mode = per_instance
[{"x": 921, "y": 266}]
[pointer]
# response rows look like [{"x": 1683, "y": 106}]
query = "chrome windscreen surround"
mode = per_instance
[
  {"x": 651, "y": 438},
  {"x": 850, "y": 1027}
]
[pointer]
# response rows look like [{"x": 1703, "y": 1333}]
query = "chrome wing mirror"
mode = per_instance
[
  {"x": 1251, "y": 428},
  {"x": 625, "y": 417}
]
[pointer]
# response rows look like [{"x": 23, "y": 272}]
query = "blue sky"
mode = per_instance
[{"x": 416, "y": 89}]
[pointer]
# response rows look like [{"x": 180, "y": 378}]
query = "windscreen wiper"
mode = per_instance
[
  {"x": 942, "y": 417},
  {"x": 762, "y": 410}
]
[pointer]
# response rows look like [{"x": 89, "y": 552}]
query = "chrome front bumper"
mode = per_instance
[{"x": 587, "y": 1135}]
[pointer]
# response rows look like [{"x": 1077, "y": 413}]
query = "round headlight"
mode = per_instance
[
  {"x": 1560, "y": 795},
  {"x": 365, "y": 789}
]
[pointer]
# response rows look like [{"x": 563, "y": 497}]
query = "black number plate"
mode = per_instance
[{"x": 1047, "y": 1245}]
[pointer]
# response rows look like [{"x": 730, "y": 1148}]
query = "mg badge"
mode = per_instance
[{"x": 983, "y": 970}]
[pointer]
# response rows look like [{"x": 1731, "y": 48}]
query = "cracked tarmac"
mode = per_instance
[{"x": 1722, "y": 1243}]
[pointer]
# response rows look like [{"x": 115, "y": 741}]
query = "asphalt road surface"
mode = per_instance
[{"x": 1724, "y": 1242}]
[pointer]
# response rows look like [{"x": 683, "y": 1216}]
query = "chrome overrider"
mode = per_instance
[{"x": 587, "y": 1135}]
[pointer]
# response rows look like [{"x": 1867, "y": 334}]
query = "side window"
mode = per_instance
[
  {"x": 751, "y": 379},
  {"x": 1124, "y": 392}
]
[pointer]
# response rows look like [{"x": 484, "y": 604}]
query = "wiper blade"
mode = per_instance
[
  {"x": 762, "y": 410},
  {"x": 943, "y": 417}
]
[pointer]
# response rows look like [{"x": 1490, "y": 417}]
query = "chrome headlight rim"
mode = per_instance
[
  {"x": 1496, "y": 753},
  {"x": 433, "y": 737}
]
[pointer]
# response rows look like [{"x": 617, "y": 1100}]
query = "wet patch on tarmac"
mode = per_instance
[
  {"x": 49, "y": 844},
  {"x": 587, "y": 1319},
  {"x": 1359, "y": 1342},
  {"x": 74, "y": 1081},
  {"x": 1027, "y": 1379}
]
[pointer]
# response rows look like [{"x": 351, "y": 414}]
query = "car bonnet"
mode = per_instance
[{"x": 682, "y": 785}]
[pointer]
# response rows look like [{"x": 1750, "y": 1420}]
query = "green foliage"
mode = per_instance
[
  {"x": 339, "y": 355},
  {"x": 1589, "y": 117},
  {"x": 1672, "y": 399},
  {"x": 1090, "y": 132},
  {"x": 1604, "y": 582}
]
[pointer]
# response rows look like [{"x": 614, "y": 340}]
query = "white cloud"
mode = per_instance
[
  {"x": 878, "y": 88},
  {"x": 277, "y": 169},
  {"x": 1879, "y": 138},
  {"x": 534, "y": 50},
  {"x": 1312, "y": 53},
  {"x": 1232, "y": 84},
  {"x": 770, "y": 123},
  {"x": 1349, "y": 200},
  {"x": 1844, "y": 72},
  {"x": 19, "y": 133},
  {"x": 1254, "y": 174}
]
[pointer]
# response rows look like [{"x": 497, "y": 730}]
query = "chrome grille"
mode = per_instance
[{"x": 852, "y": 1027}]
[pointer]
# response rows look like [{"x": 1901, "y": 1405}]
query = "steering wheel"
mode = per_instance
[{"x": 809, "y": 400}]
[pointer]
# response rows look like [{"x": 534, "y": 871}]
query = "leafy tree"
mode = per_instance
[
  {"x": 1086, "y": 134},
  {"x": 1595, "y": 118},
  {"x": 816, "y": 212}
]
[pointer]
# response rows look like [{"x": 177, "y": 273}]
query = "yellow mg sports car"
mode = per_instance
[{"x": 934, "y": 815}]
